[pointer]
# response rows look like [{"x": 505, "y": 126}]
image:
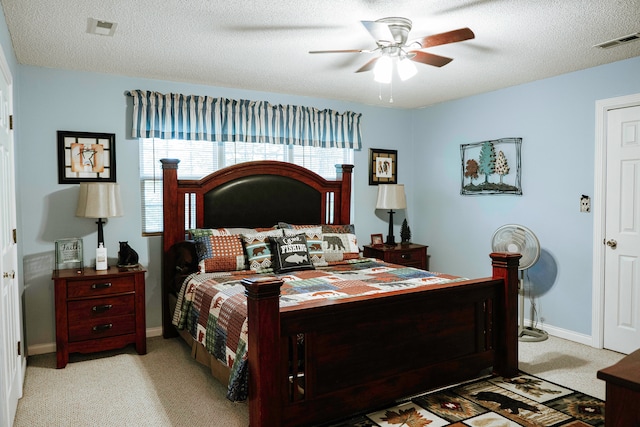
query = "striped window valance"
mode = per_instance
[{"x": 193, "y": 117}]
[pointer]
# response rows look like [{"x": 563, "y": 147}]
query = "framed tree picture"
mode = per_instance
[
  {"x": 383, "y": 166},
  {"x": 491, "y": 167},
  {"x": 86, "y": 157}
]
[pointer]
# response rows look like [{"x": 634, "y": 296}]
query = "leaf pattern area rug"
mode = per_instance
[{"x": 494, "y": 401}]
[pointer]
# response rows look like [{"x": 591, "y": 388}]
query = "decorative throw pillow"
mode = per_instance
[
  {"x": 339, "y": 228},
  {"x": 219, "y": 253},
  {"x": 258, "y": 250},
  {"x": 290, "y": 253},
  {"x": 314, "y": 243},
  {"x": 340, "y": 246},
  {"x": 203, "y": 232}
]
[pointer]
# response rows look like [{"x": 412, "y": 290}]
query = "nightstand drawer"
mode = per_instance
[
  {"x": 405, "y": 257},
  {"x": 99, "y": 286},
  {"x": 102, "y": 328},
  {"x": 98, "y": 308}
]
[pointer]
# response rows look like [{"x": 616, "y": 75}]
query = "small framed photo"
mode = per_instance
[
  {"x": 383, "y": 166},
  {"x": 376, "y": 240},
  {"x": 69, "y": 253},
  {"x": 86, "y": 157}
]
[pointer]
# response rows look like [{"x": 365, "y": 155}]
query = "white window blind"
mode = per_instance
[{"x": 200, "y": 158}]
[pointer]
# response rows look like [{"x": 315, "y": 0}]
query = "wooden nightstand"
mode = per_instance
[
  {"x": 98, "y": 310},
  {"x": 411, "y": 255}
]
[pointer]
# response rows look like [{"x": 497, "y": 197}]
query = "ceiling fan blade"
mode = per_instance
[
  {"x": 448, "y": 37},
  {"x": 341, "y": 51},
  {"x": 378, "y": 30},
  {"x": 430, "y": 58},
  {"x": 368, "y": 66}
]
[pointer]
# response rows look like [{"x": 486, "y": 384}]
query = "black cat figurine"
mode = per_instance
[{"x": 127, "y": 257}]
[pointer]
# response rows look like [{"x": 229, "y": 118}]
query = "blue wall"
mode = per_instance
[
  {"x": 53, "y": 99},
  {"x": 555, "y": 117}
]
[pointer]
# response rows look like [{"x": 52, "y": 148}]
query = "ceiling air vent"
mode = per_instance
[
  {"x": 619, "y": 41},
  {"x": 101, "y": 28}
]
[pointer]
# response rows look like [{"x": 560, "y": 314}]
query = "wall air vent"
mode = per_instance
[
  {"x": 101, "y": 28},
  {"x": 619, "y": 41}
]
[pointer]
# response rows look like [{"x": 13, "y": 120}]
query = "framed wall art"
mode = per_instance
[
  {"x": 491, "y": 167},
  {"x": 383, "y": 166},
  {"x": 86, "y": 157}
]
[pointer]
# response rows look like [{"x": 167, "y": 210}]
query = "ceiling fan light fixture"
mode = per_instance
[
  {"x": 406, "y": 69},
  {"x": 383, "y": 70}
]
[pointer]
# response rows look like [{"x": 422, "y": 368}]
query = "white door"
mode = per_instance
[
  {"x": 622, "y": 231},
  {"x": 11, "y": 362}
]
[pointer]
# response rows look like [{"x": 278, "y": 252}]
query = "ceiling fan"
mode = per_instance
[{"x": 391, "y": 34}]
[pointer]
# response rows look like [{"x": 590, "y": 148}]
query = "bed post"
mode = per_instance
[
  {"x": 344, "y": 175},
  {"x": 265, "y": 381},
  {"x": 170, "y": 235},
  {"x": 505, "y": 266}
]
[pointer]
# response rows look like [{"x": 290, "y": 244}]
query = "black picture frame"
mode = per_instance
[
  {"x": 383, "y": 166},
  {"x": 86, "y": 157}
]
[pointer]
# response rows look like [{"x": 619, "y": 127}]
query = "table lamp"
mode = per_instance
[
  {"x": 391, "y": 196},
  {"x": 99, "y": 200}
]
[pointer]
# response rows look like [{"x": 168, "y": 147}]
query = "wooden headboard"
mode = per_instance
[{"x": 250, "y": 195}]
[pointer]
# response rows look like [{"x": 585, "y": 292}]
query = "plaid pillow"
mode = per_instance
[
  {"x": 219, "y": 253},
  {"x": 203, "y": 232},
  {"x": 337, "y": 228}
]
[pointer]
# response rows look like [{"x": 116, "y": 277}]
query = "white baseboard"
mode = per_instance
[
  {"x": 567, "y": 335},
  {"x": 36, "y": 349}
]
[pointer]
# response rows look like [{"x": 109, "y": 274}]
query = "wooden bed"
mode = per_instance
[{"x": 359, "y": 354}]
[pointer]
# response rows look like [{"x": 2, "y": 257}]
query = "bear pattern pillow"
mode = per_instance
[
  {"x": 257, "y": 248},
  {"x": 340, "y": 246},
  {"x": 290, "y": 253}
]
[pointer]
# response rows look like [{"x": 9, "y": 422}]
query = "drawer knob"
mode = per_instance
[
  {"x": 105, "y": 327},
  {"x": 101, "y": 285},
  {"x": 102, "y": 308},
  {"x": 405, "y": 256}
]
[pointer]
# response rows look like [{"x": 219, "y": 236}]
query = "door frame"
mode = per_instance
[{"x": 599, "y": 209}]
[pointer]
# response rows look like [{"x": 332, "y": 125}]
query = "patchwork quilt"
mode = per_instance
[{"x": 212, "y": 306}]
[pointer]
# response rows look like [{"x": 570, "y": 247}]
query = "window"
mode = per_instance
[{"x": 200, "y": 158}]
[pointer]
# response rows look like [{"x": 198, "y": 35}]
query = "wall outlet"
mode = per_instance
[{"x": 585, "y": 204}]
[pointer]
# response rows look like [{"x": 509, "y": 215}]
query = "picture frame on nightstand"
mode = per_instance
[
  {"x": 69, "y": 253},
  {"x": 376, "y": 240}
]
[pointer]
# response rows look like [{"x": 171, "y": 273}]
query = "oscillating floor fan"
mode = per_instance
[{"x": 519, "y": 239}]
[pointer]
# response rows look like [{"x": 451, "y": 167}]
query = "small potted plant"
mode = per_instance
[{"x": 405, "y": 233}]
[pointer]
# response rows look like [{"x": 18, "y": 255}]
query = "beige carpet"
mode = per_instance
[{"x": 167, "y": 388}]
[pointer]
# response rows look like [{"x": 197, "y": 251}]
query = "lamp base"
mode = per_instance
[{"x": 391, "y": 239}]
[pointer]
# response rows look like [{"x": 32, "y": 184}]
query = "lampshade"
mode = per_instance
[
  {"x": 99, "y": 200},
  {"x": 391, "y": 196}
]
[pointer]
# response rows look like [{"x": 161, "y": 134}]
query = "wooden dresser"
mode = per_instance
[
  {"x": 622, "y": 403},
  {"x": 99, "y": 310},
  {"x": 411, "y": 255}
]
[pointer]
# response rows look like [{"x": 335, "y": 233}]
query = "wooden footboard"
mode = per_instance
[{"x": 342, "y": 357}]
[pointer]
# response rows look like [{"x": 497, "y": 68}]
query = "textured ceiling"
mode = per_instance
[{"x": 264, "y": 46}]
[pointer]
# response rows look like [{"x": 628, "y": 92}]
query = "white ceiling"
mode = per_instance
[{"x": 264, "y": 46}]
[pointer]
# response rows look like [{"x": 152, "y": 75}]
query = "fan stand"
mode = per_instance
[{"x": 527, "y": 333}]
